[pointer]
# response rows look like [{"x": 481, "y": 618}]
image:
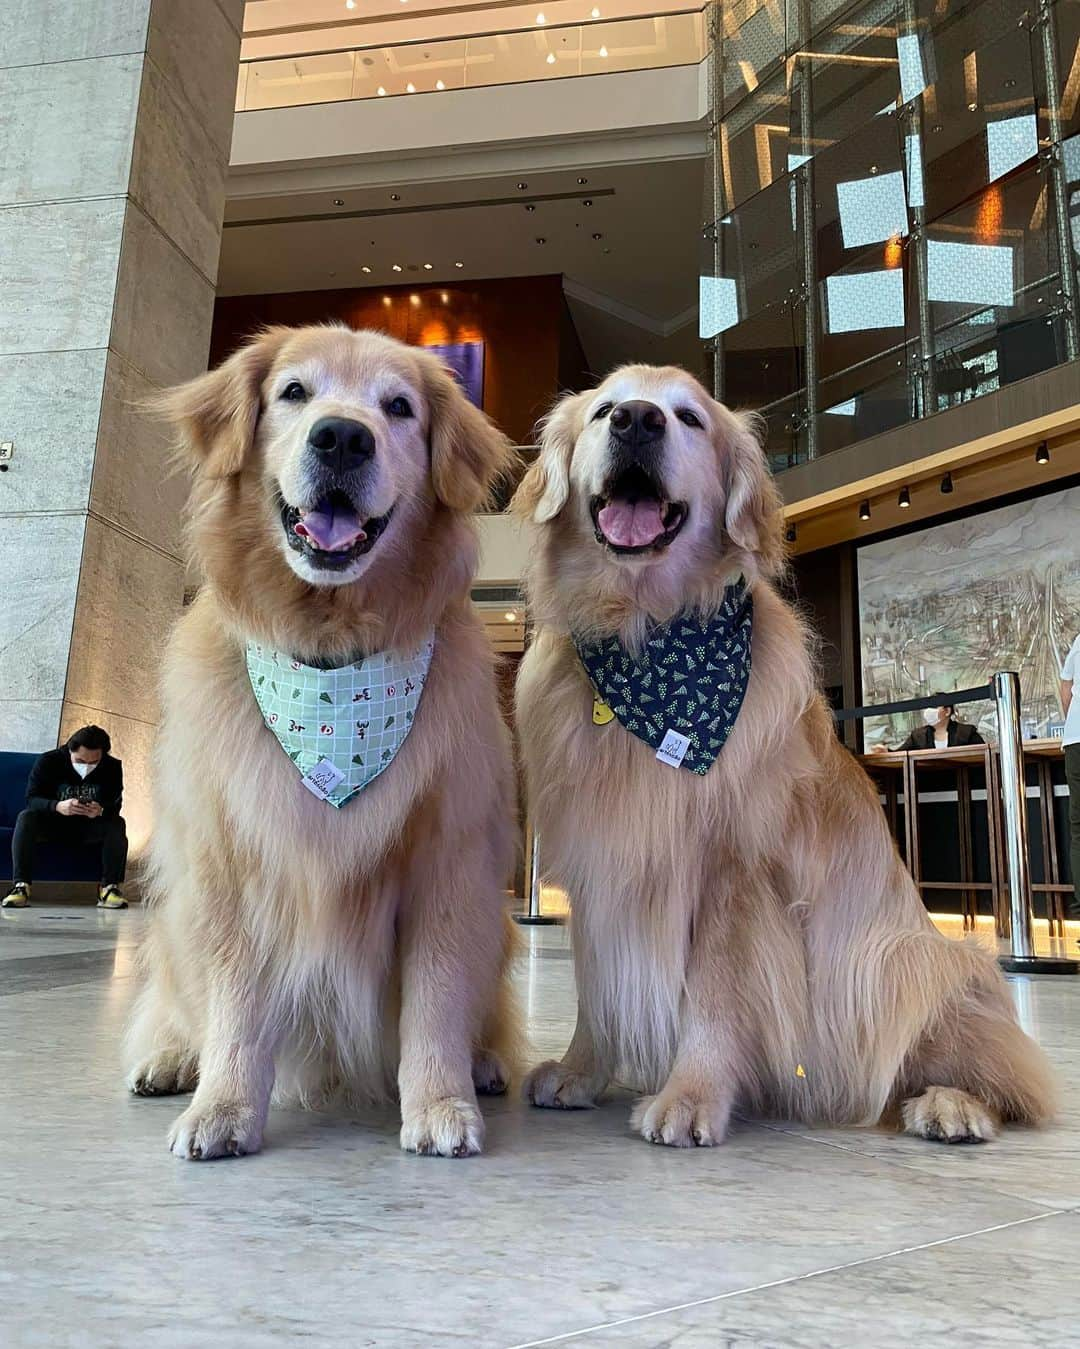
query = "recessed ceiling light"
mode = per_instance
[
  {"x": 550, "y": 58},
  {"x": 540, "y": 19},
  {"x": 459, "y": 264},
  {"x": 338, "y": 201},
  {"x": 603, "y": 51},
  {"x": 410, "y": 88},
  {"x": 395, "y": 266},
  {"x": 595, "y": 13},
  {"x": 381, "y": 91},
  {"x": 598, "y": 236},
  {"x": 350, "y": 4},
  {"x": 530, "y": 207},
  {"x": 523, "y": 187},
  {"x": 587, "y": 201},
  {"x": 439, "y": 84},
  {"x": 395, "y": 196},
  {"x": 366, "y": 269},
  {"x": 428, "y": 266},
  {"x": 541, "y": 240},
  {"x": 582, "y": 182}
]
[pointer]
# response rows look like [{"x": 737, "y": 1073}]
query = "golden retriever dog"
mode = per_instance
[
  {"x": 335, "y": 473},
  {"x": 746, "y": 937}
]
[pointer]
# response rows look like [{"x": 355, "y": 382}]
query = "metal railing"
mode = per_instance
[{"x": 513, "y": 56}]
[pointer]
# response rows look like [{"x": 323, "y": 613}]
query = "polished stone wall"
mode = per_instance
[{"x": 115, "y": 132}]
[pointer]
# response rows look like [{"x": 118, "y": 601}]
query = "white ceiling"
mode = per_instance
[{"x": 632, "y": 292}]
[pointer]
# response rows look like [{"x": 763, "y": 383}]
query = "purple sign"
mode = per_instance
[{"x": 465, "y": 361}]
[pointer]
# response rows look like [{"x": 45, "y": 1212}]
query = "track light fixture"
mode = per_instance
[
  {"x": 1042, "y": 454},
  {"x": 864, "y": 510},
  {"x": 904, "y": 499}
]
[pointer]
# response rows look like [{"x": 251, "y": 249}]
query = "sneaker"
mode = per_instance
[
  {"x": 19, "y": 897},
  {"x": 109, "y": 897}
]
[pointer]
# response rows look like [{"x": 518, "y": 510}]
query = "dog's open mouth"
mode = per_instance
[
  {"x": 633, "y": 515},
  {"x": 331, "y": 533}
]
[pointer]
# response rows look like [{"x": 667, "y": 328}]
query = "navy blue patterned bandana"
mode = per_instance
[{"x": 682, "y": 693}]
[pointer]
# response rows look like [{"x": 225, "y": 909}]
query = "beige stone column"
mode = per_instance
[{"x": 115, "y": 127}]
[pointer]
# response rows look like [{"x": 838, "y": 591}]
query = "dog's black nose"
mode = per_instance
[
  {"x": 340, "y": 443},
  {"x": 637, "y": 422}
]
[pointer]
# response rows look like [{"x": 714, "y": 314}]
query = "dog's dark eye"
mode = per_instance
[
  {"x": 399, "y": 407},
  {"x": 602, "y": 411},
  {"x": 688, "y": 418},
  {"x": 294, "y": 392}
]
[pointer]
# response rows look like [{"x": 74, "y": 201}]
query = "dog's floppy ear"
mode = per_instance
[
  {"x": 216, "y": 413},
  {"x": 469, "y": 454},
  {"x": 545, "y": 489},
  {"x": 752, "y": 513}
]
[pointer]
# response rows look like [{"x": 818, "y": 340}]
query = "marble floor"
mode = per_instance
[{"x": 568, "y": 1230}]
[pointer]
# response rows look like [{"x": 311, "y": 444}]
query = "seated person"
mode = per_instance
[
  {"x": 942, "y": 731},
  {"x": 73, "y": 797}
]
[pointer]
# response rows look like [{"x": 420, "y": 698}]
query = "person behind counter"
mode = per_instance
[{"x": 942, "y": 731}]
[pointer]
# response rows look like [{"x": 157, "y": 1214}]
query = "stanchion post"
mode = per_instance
[
  {"x": 533, "y": 915},
  {"x": 1021, "y": 958}
]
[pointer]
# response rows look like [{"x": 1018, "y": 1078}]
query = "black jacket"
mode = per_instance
[
  {"x": 960, "y": 733},
  {"x": 53, "y": 779}
]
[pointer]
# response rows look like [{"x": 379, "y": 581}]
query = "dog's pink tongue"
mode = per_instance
[
  {"x": 331, "y": 528},
  {"x": 631, "y": 525}
]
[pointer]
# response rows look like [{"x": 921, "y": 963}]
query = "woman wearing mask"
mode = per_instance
[
  {"x": 941, "y": 731},
  {"x": 73, "y": 798}
]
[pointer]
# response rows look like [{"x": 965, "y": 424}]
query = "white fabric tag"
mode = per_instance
[
  {"x": 322, "y": 779},
  {"x": 673, "y": 748}
]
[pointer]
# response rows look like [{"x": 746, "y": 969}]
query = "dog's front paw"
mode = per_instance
[
  {"x": 552, "y": 1085},
  {"x": 681, "y": 1119},
  {"x": 216, "y": 1129},
  {"x": 168, "y": 1072},
  {"x": 447, "y": 1127},
  {"x": 948, "y": 1115}
]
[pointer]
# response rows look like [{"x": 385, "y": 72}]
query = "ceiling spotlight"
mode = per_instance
[
  {"x": 904, "y": 499},
  {"x": 550, "y": 58},
  {"x": 582, "y": 182},
  {"x": 366, "y": 269},
  {"x": 410, "y": 88},
  {"x": 541, "y": 240},
  {"x": 530, "y": 208},
  {"x": 946, "y": 484},
  {"x": 523, "y": 187},
  {"x": 428, "y": 266},
  {"x": 598, "y": 236},
  {"x": 439, "y": 84},
  {"x": 395, "y": 266},
  {"x": 587, "y": 201},
  {"x": 510, "y": 616},
  {"x": 395, "y": 196},
  {"x": 540, "y": 19},
  {"x": 603, "y": 51},
  {"x": 381, "y": 91},
  {"x": 459, "y": 264},
  {"x": 789, "y": 534},
  {"x": 864, "y": 510},
  {"x": 973, "y": 107},
  {"x": 350, "y": 4},
  {"x": 595, "y": 13},
  {"x": 338, "y": 201},
  {"x": 1042, "y": 454}
]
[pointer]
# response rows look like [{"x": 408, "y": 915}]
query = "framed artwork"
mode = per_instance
[{"x": 465, "y": 361}]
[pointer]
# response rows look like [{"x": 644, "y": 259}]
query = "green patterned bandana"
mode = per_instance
[
  {"x": 682, "y": 693},
  {"x": 340, "y": 727}
]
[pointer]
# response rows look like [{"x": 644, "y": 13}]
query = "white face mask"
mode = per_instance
[
  {"x": 930, "y": 715},
  {"x": 83, "y": 768}
]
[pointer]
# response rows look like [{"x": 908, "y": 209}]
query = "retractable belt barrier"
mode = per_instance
[{"x": 1004, "y": 689}]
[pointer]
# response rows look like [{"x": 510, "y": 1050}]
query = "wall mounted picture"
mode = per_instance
[{"x": 465, "y": 361}]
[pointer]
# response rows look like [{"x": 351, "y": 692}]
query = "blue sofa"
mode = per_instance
[{"x": 51, "y": 863}]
